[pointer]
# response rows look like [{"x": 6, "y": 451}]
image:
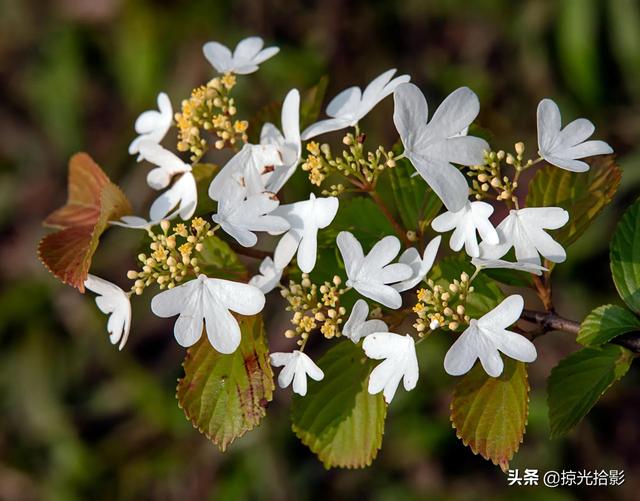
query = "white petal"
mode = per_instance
[
  {"x": 446, "y": 181},
  {"x": 575, "y": 132},
  {"x": 383, "y": 294},
  {"x": 351, "y": 252},
  {"x": 409, "y": 114},
  {"x": 462, "y": 355},
  {"x": 248, "y": 48},
  {"x": 218, "y": 55},
  {"x": 548, "y": 124},
  {"x": 456, "y": 112},
  {"x": 324, "y": 126},
  {"x": 346, "y": 102},
  {"x": 286, "y": 248},
  {"x": 515, "y": 346},
  {"x": 505, "y": 314},
  {"x": 241, "y": 298},
  {"x": 586, "y": 149},
  {"x": 222, "y": 328},
  {"x": 567, "y": 164},
  {"x": 383, "y": 252}
]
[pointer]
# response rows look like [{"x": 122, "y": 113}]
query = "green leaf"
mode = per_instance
[
  {"x": 579, "y": 380},
  {"x": 204, "y": 173},
  {"x": 216, "y": 259},
  {"x": 490, "y": 414},
  {"x": 351, "y": 216},
  {"x": 224, "y": 396},
  {"x": 311, "y": 102},
  {"x": 625, "y": 257},
  {"x": 338, "y": 419},
  {"x": 606, "y": 322},
  {"x": 486, "y": 294},
  {"x": 583, "y": 194},
  {"x": 417, "y": 204}
]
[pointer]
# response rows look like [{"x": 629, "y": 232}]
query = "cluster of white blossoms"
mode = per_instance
[{"x": 246, "y": 191}]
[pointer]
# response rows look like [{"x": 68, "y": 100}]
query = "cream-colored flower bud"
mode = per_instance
[
  {"x": 519, "y": 147},
  {"x": 132, "y": 274}
]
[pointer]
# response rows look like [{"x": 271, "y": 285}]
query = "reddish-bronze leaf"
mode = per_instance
[{"x": 92, "y": 202}]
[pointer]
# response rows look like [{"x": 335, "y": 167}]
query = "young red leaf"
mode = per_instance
[{"x": 92, "y": 202}]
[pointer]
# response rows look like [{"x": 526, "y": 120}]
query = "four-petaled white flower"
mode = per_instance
[
  {"x": 357, "y": 326},
  {"x": 287, "y": 142},
  {"x": 240, "y": 215},
  {"x": 472, "y": 218},
  {"x": 152, "y": 125},
  {"x": 432, "y": 147},
  {"x": 297, "y": 366},
  {"x": 208, "y": 301},
  {"x": 420, "y": 266},
  {"x": 113, "y": 301},
  {"x": 563, "y": 147},
  {"x": 523, "y": 230},
  {"x": 486, "y": 337},
  {"x": 182, "y": 196},
  {"x": 371, "y": 274},
  {"x": 305, "y": 218},
  {"x": 400, "y": 362},
  {"x": 487, "y": 264},
  {"x": 352, "y": 104},
  {"x": 269, "y": 276},
  {"x": 246, "y": 57},
  {"x": 250, "y": 167}
]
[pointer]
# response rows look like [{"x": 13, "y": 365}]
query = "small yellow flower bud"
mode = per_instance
[{"x": 132, "y": 274}]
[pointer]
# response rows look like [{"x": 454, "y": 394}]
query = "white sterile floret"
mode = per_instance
[
  {"x": 182, "y": 196},
  {"x": 152, "y": 125},
  {"x": 352, "y": 104},
  {"x": 287, "y": 142},
  {"x": 433, "y": 147},
  {"x": 245, "y": 59},
  {"x": 208, "y": 301},
  {"x": 140, "y": 223},
  {"x": 113, "y": 301},
  {"x": 420, "y": 266},
  {"x": 486, "y": 264},
  {"x": 524, "y": 230},
  {"x": 357, "y": 326},
  {"x": 485, "y": 338},
  {"x": 268, "y": 277},
  {"x": 400, "y": 362},
  {"x": 563, "y": 147},
  {"x": 305, "y": 219},
  {"x": 240, "y": 215},
  {"x": 297, "y": 366},
  {"x": 371, "y": 275},
  {"x": 251, "y": 166},
  {"x": 471, "y": 219}
]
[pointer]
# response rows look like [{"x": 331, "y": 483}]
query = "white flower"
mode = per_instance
[
  {"x": 250, "y": 167},
  {"x": 523, "y": 229},
  {"x": 240, "y": 215},
  {"x": 246, "y": 57},
  {"x": 472, "y": 218},
  {"x": 113, "y": 301},
  {"x": 297, "y": 366},
  {"x": 563, "y": 147},
  {"x": 352, "y": 104},
  {"x": 269, "y": 276},
  {"x": 484, "y": 264},
  {"x": 152, "y": 125},
  {"x": 370, "y": 275},
  {"x": 305, "y": 219},
  {"x": 357, "y": 326},
  {"x": 432, "y": 147},
  {"x": 288, "y": 144},
  {"x": 485, "y": 337},
  {"x": 208, "y": 300},
  {"x": 419, "y": 266},
  {"x": 400, "y": 362},
  {"x": 182, "y": 196}
]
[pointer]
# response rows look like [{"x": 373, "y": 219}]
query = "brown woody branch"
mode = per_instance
[{"x": 550, "y": 321}]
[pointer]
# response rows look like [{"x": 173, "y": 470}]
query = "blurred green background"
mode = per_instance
[{"x": 80, "y": 420}]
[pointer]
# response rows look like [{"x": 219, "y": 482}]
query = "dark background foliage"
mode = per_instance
[{"x": 80, "y": 420}]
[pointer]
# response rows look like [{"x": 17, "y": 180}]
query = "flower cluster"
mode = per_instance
[
  {"x": 356, "y": 165},
  {"x": 314, "y": 306},
  {"x": 172, "y": 255},
  {"x": 210, "y": 108},
  {"x": 246, "y": 191},
  {"x": 442, "y": 306}
]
